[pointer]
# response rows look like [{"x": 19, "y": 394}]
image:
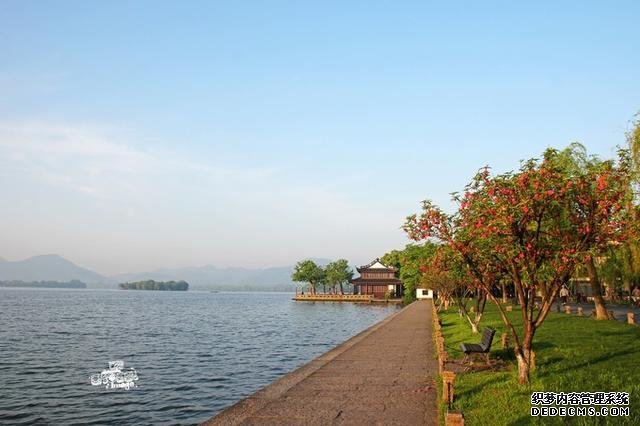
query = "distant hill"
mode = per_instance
[
  {"x": 43, "y": 284},
  {"x": 49, "y": 267},
  {"x": 55, "y": 268},
  {"x": 210, "y": 277}
]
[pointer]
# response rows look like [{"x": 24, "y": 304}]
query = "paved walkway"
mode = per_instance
[
  {"x": 619, "y": 311},
  {"x": 383, "y": 376}
]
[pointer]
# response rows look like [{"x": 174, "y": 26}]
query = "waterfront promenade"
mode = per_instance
[{"x": 384, "y": 375}]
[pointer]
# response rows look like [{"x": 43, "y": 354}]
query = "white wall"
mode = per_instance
[{"x": 423, "y": 293}]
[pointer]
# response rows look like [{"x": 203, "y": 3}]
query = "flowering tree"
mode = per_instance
[
  {"x": 602, "y": 208},
  {"x": 633, "y": 141},
  {"x": 533, "y": 225},
  {"x": 439, "y": 275},
  {"x": 449, "y": 275}
]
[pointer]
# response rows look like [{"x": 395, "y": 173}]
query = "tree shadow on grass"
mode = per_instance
[
  {"x": 445, "y": 324},
  {"x": 544, "y": 344},
  {"x": 607, "y": 357},
  {"x": 509, "y": 354},
  {"x": 623, "y": 332},
  {"x": 549, "y": 362},
  {"x": 481, "y": 386},
  {"x": 506, "y": 355}
]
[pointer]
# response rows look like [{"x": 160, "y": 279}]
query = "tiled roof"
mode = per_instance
[
  {"x": 381, "y": 266},
  {"x": 375, "y": 281}
]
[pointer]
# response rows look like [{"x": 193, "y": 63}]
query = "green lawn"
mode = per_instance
[{"x": 573, "y": 354}]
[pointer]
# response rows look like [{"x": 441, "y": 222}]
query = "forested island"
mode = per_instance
[
  {"x": 43, "y": 284},
  {"x": 156, "y": 285}
]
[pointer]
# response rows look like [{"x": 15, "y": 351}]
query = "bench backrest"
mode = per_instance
[{"x": 487, "y": 338}]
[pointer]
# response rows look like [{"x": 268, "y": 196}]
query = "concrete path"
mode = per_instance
[
  {"x": 383, "y": 376},
  {"x": 619, "y": 311}
]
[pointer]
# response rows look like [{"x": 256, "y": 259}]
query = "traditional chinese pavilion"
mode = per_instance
[{"x": 377, "y": 279}]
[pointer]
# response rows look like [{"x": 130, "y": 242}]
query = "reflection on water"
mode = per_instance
[{"x": 194, "y": 352}]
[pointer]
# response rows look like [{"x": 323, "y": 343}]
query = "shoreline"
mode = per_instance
[
  {"x": 317, "y": 390},
  {"x": 353, "y": 298}
]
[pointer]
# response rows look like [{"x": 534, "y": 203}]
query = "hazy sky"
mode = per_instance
[{"x": 138, "y": 135}]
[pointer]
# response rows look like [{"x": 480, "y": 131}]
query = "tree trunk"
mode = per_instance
[
  {"x": 477, "y": 319},
  {"x": 596, "y": 289},
  {"x": 341, "y": 290},
  {"x": 504, "y": 292},
  {"x": 523, "y": 355},
  {"x": 523, "y": 366},
  {"x": 481, "y": 301},
  {"x": 526, "y": 363},
  {"x": 462, "y": 305},
  {"x": 523, "y": 370},
  {"x": 476, "y": 311}
]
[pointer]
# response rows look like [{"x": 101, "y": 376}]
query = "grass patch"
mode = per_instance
[{"x": 573, "y": 354}]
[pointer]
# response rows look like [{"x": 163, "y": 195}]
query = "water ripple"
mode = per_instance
[{"x": 195, "y": 352}]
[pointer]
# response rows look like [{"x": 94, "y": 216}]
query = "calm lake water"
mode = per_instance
[{"x": 195, "y": 352}]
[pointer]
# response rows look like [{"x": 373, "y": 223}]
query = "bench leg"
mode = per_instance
[{"x": 466, "y": 361}]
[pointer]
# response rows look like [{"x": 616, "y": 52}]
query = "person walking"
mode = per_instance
[
  {"x": 564, "y": 293},
  {"x": 635, "y": 296}
]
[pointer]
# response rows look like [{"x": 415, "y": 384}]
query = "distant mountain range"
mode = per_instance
[
  {"x": 55, "y": 268},
  {"x": 49, "y": 267}
]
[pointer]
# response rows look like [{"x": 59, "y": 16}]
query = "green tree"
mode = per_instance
[
  {"x": 153, "y": 285},
  {"x": 308, "y": 272},
  {"x": 338, "y": 273},
  {"x": 393, "y": 258},
  {"x": 410, "y": 263},
  {"x": 621, "y": 266}
]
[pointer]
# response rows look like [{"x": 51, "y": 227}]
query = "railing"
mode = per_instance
[{"x": 336, "y": 297}]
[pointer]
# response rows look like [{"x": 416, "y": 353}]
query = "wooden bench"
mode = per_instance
[{"x": 483, "y": 348}]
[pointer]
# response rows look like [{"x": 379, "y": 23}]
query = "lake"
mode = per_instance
[{"x": 195, "y": 353}]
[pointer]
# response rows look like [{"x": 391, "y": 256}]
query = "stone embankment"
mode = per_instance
[{"x": 383, "y": 376}]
